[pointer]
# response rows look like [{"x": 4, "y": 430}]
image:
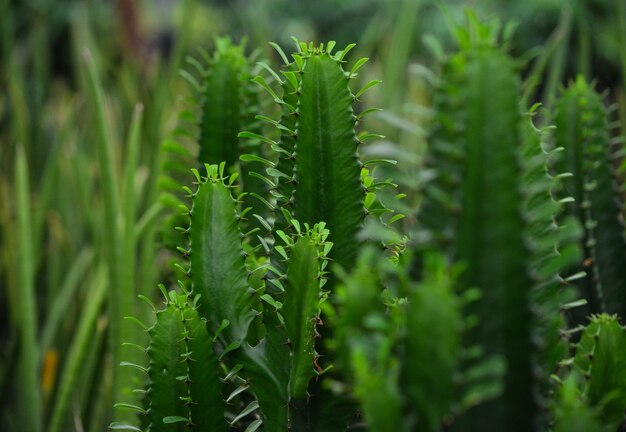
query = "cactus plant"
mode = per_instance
[
  {"x": 582, "y": 130},
  {"x": 274, "y": 341},
  {"x": 279, "y": 367},
  {"x": 222, "y": 102},
  {"x": 489, "y": 205},
  {"x": 318, "y": 176},
  {"x": 596, "y": 383},
  {"x": 183, "y": 390}
]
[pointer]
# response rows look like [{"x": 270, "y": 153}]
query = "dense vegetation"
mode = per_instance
[{"x": 221, "y": 239}]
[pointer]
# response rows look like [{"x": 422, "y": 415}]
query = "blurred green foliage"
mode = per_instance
[{"x": 51, "y": 168}]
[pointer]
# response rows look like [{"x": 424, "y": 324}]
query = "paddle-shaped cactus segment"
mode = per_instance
[
  {"x": 217, "y": 267},
  {"x": 489, "y": 205},
  {"x": 489, "y": 237},
  {"x": 601, "y": 359},
  {"x": 281, "y": 366},
  {"x": 183, "y": 392},
  {"x": 583, "y": 132}
]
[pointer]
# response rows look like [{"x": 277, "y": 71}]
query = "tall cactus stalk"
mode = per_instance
[
  {"x": 222, "y": 102},
  {"x": 582, "y": 130},
  {"x": 318, "y": 176},
  {"x": 490, "y": 206},
  {"x": 217, "y": 268}
]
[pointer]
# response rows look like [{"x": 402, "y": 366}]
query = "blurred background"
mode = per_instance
[{"x": 54, "y": 271}]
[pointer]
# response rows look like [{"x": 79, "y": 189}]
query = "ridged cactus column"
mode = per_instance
[
  {"x": 318, "y": 175},
  {"x": 489, "y": 206},
  {"x": 582, "y": 130},
  {"x": 222, "y": 102},
  {"x": 593, "y": 395}
]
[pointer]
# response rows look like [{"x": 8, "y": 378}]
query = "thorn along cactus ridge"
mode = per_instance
[
  {"x": 582, "y": 130},
  {"x": 489, "y": 205}
]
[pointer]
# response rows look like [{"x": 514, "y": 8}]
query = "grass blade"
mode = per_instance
[{"x": 30, "y": 402}]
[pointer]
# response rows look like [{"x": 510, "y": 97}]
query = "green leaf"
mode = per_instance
[
  {"x": 253, "y": 135},
  {"x": 366, "y": 87},
  {"x": 261, "y": 81},
  {"x": 175, "y": 419},
  {"x": 255, "y": 158},
  {"x": 358, "y": 65},
  {"x": 122, "y": 426},
  {"x": 79, "y": 348}
]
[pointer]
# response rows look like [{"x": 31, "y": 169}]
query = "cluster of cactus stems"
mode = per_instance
[
  {"x": 262, "y": 312},
  {"x": 462, "y": 329}
]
